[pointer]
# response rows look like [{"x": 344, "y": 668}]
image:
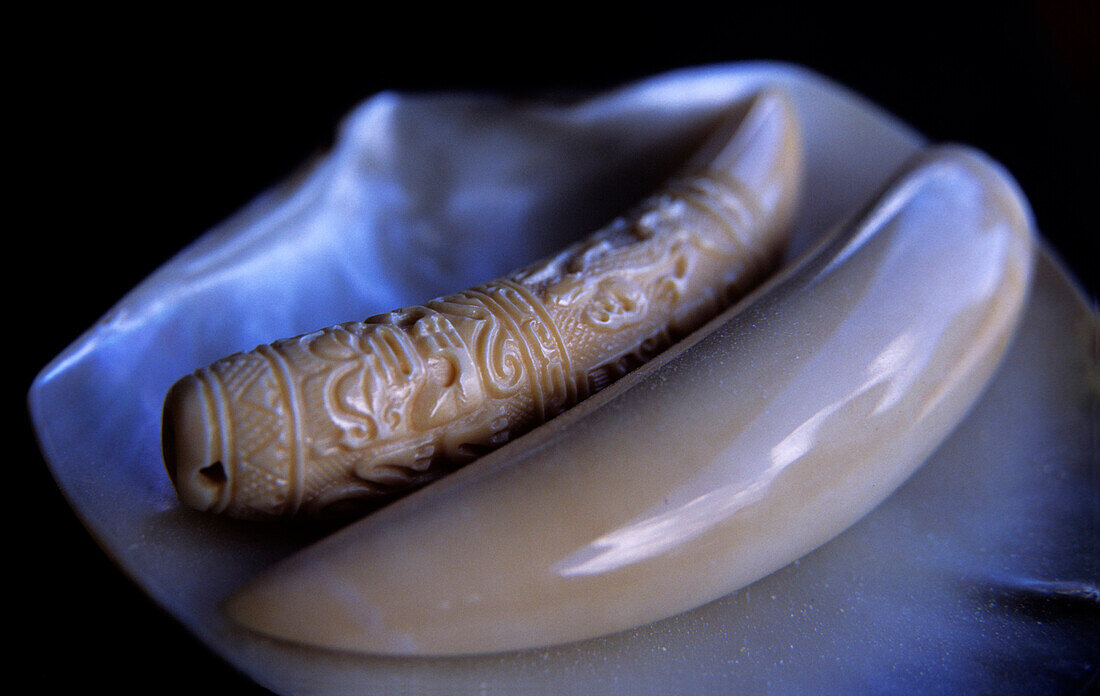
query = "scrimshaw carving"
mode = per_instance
[{"x": 365, "y": 410}]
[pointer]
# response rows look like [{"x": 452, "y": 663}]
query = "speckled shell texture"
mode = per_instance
[{"x": 976, "y": 576}]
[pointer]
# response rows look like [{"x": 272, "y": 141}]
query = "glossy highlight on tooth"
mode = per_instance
[
  {"x": 363, "y": 412},
  {"x": 752, "y": 442}
]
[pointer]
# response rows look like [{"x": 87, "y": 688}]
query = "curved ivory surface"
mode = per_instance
[
  {"x": 753, "y": 442},
  {"x": 365, "y": 411}
]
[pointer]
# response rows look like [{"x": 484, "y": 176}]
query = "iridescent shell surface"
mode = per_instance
[{"x": 980, "y": 567}]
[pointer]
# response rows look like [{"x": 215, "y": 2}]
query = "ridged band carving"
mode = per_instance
[{"x": 363, "y": 409}]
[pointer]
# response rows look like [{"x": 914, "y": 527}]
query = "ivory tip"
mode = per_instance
[{"x": 191, "y": 446}]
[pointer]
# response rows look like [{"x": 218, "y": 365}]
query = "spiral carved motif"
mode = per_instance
[{"x": 365, "y": 410}]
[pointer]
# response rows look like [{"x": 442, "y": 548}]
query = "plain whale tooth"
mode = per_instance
[{"x": 757, "y": 439}]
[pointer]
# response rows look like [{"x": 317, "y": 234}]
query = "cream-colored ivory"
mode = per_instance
[
  {"x": 755, "y": 440},
  {"x": 368, "y": 410}
]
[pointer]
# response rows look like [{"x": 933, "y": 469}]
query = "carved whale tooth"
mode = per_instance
[
  {"x": 754, "y": 441},
  {"x": 366, "y": 411}
]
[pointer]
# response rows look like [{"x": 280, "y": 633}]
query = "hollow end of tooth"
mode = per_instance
[{"x": 191, "y": 446}]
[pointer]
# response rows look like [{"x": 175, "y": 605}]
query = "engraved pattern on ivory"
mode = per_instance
[{"x": 367, "y": 410}]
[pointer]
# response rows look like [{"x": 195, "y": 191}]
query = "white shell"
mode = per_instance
[{"x": 936, "y": 590}]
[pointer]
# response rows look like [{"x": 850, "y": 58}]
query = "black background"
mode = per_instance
[{"x": 137, "y": 133}]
